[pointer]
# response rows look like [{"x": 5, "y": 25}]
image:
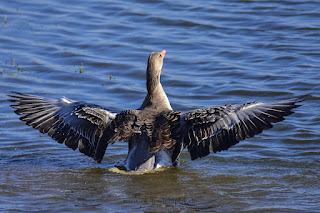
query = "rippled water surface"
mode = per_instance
[{"x": 218, "y": 52}]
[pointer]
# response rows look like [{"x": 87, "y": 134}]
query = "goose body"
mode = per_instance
[{"x": 156, "y": 134}]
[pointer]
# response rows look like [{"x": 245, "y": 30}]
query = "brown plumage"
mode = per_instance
[{"x": 156, "y": 134}]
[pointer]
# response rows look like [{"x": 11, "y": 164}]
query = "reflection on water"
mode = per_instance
[{"x": 217, "y": 53}]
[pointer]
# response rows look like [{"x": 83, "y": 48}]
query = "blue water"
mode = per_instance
[{"x": 218, "y": 52}]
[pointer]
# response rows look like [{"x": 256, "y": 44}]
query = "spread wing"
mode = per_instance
[
  {"x": 77, "y": 124},
  {"x": 223, "y": 127}
]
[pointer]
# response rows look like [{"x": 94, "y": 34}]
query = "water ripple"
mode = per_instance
[{"x": 218, "y": 52}]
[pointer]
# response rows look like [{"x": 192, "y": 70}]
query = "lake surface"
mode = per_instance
[{"x": 218, "y": 52}]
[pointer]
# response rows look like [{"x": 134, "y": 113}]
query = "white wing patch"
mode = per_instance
[
  {"x": 252, "y": 105},
  {"x": 101, "y": 113},
  {"x": 67, "y": 100}
]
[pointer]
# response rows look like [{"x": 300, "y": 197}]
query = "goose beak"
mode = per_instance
[{"x": 162, "y": 53}]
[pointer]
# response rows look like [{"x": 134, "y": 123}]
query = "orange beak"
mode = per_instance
[{"x": 162, "y": 53}]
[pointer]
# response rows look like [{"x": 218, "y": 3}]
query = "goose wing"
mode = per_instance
[
  {"x": 77, "y": 124},
  {"x": 224, "y": 126}
]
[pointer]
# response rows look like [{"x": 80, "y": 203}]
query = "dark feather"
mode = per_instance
[
  {"x": 119, "y": 129},
  {"x": 90, "y": 128},
  {"x": 222, "y": 127},
  {"x": 77, "y": 124},
  {"x": 166, "y": 131}
]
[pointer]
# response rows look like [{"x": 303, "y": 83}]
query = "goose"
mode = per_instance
[{"x": 156, "y": 134}]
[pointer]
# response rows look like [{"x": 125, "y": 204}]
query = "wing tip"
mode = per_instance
[
  {"x": 301, "y": 98},
  {"x": 18, "y": 96}
]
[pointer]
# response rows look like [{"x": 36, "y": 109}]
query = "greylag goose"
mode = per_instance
[{"x": 155, "y": 133}]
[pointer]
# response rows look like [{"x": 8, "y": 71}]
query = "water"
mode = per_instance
[{"x": 217, "y": 52}]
